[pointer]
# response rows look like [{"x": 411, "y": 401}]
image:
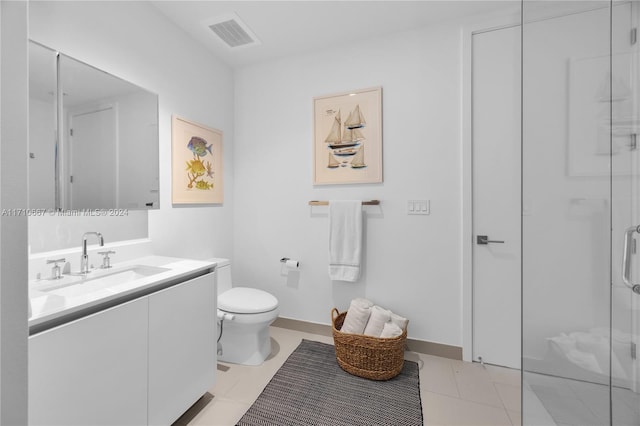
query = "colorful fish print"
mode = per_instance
[
  {"x": 199, "y": 172},
  {"x": 196, "y": 167},
  {"x": 199, "y": 146},
  {"x": 203, "y": 185}
]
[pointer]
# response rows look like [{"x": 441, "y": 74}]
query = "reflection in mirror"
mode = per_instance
[
  {"x": 42, "y": 126},
  {"x": 108, "y": 132}
]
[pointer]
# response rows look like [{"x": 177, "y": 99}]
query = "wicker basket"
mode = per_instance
[{"x": 365, "y": 356}]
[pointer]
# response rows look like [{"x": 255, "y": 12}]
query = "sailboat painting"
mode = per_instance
[
  {"x": 348, "y": 137},
  {"x": 355, "y": 120}
]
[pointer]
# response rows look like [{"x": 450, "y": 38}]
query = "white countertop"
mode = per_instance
[{"x": 46, "y": 307}]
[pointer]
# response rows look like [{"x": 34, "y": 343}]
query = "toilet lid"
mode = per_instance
[{"x": 243, "y": 300}]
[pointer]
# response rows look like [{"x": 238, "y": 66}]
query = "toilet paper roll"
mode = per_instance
[{"x": 292, "y": 264}]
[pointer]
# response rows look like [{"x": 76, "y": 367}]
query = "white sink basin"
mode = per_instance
[{"x": 104, "y": 281}]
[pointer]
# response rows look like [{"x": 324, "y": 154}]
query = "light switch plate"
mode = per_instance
[{"x": 418, "y": 207}]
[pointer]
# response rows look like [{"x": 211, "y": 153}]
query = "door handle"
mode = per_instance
[
  {"x": 483, "y": 240},
  {"x": 626, "y": 259}
]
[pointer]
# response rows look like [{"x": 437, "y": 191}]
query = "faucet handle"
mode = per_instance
[
  {"x": 55, "y": 271},
  {"x": 106, "y": 260}
]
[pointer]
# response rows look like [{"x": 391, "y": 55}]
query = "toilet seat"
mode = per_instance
[{"x": 244, "y": 300}]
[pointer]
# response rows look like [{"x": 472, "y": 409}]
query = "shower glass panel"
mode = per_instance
[
  {"x": 579, "y": 200},
  {"x": 625, "y": 213}
]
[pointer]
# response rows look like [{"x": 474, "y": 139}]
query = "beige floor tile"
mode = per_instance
[
  {"x": 439, "y": 381},
  {"x": 318, "y": 338},
  {"x": 435, "y": 361},
  {"x": 286, "y": 338},
  {"x": 220, "y": 412},
  {"x": 481, "y": 392},
  {"x": 225, "y": 380},
  {"x": 510, "y": 396},
  {"x": 515, "y": 417},
  {"x": 436, "y": 375},
  {"x": 507, "y": 376},
  {"x": 470, "y": 372},
  {"x": 443, "y": 410},
  {"x": 250, "y": 386}
]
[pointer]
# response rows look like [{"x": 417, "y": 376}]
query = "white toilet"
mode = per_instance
[{"x": 246, "y": 314}]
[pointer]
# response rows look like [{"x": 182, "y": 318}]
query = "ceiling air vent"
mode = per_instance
[{"x": 232, "y": 31}]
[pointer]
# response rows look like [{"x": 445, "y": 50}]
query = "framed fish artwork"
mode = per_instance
[
  {"x": 196, "y": 169},
  {"x": 347, "y": 142}
]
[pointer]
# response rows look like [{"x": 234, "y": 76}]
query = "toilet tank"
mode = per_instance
[{"x": 223, "y": 274}]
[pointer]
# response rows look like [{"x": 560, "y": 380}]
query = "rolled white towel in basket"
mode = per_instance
[
  {"x": 357, "y": 316},
  {"x": 390, "y": 330},
  {"x": 379, "y": 316},
  {"x": 401, "y": 322}
]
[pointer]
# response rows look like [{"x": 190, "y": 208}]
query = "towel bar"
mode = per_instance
[{"x": 326, "y": 203}]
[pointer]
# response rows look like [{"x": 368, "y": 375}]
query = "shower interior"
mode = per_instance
[{"x": 580, "y": 197}]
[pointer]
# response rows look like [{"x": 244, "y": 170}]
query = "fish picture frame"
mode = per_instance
[
  {"x": 196, "y": 163},
  {"x": 347, "y": 142}
]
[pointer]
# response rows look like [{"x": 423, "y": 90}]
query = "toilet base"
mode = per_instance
[{"x": 242, "y": 343}]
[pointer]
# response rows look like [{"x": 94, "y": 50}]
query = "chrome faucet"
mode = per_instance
[{"x": 84, "y": 261}]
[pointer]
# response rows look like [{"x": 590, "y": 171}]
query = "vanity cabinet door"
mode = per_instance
[
  {"x": 92, "y": 371},
  {"x": 182, "y": 347}
]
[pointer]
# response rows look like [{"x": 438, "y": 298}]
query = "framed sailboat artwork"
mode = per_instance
[
  {"x": 347, "y": 142},
  {"x": 196, "y": 157}
]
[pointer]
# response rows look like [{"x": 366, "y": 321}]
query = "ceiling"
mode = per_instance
[{"x": 286, "y": 28}]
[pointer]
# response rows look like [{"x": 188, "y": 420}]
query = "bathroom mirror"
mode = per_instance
[{"x": 93, "y": 137}]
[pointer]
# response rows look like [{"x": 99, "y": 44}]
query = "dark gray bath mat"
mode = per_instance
[{"x": 311, "y": 389}]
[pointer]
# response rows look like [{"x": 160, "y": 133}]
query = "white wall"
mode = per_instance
[
  {"x": 14, "y": 130},
  {"x": 134, "y": 41},
  {"x": 412, "y": 264}
]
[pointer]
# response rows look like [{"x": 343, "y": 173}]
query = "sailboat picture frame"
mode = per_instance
[
  {"x": 347, "y": 142},
  {"x": 196, "y": 163}
]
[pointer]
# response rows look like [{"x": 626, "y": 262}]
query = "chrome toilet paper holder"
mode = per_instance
[{"x": 286, "y": 259}]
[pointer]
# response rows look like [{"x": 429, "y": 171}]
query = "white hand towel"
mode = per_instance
[
  {"x": 378, "y": 318},
  {"x": 390, "y": 330},
  {"x": 357, "y": 316},
  {"x": 345, "y": 240},
  {"x": 401, "y": 322}
]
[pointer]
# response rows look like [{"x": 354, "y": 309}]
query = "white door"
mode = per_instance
[
  {"x": 496, "y": 196},
  {"x": 93, "y": 159}
]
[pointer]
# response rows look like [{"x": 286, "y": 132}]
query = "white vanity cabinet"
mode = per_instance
[
  {"x": 182, "y": 347},
  {"x": 145, "y": 361},
  {"x": 92, "y": 371}
]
